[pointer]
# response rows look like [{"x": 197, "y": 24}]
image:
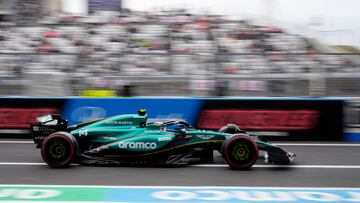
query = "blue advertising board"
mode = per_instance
[
  {"x": 233, "y": 194},
  {"x": 84, "y": 109}
]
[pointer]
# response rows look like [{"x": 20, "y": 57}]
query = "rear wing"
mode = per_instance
[{"x": 45, "y": 126}]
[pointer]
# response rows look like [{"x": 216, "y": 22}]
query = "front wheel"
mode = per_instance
[
  {"x": 59, "y": 149},
  {"x": 240, "y": 152},
  {"x": 231, "y": 129}
]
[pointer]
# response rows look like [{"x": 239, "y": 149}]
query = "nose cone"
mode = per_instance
[{"x": 278, "y": 155}]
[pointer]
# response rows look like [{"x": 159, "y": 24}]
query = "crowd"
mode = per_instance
[{"x": 156, "y": 44}]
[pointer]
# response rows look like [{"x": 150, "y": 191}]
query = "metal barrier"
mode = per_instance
[{"x": 182, "y": 74}]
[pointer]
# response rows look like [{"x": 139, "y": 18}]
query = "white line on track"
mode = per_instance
[
  {"x": 26, "y": 164},
  {"x": 276, "y": 143},
  {"x": 319, "y": 144},
  {"x": 214, "y": 165},
  {"x": 283, "y": 166},
  {"x": 180, "y": 187},
  {"x": 16, "y": 142}
]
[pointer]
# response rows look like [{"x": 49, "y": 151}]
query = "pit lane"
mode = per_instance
[{"x": 21, "y": 163}]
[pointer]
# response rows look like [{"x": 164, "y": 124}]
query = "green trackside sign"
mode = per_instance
[
  {"x": 44, "y": 193},
  {"x": 147, "y": 194}
]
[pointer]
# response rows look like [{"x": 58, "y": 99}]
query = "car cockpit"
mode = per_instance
[{"x": 176, "y": 126}]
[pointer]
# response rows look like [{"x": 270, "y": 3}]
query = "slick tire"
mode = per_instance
[
  {"x": 59, "y": 149},
  {"x": 240, "y": 152},
  {"x": 231, "y": 129}
]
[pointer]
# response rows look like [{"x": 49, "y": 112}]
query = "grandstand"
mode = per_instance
[{"x": 173, "y": 53}]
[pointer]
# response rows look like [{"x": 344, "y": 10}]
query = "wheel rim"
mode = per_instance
[
  {"x": 57, "y": 151},
  {"x": 242, "y": 153}
]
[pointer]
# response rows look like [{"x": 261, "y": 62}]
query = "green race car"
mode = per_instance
[{"x": 131, "y": 139}]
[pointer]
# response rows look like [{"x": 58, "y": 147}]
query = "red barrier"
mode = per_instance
[
  {"x": 267, "y": 119},
  {"x": 22, "y": 117}
]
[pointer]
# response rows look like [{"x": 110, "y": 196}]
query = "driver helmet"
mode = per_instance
[{"x": 142, "y": 112}]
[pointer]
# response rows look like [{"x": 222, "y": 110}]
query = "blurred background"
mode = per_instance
[{"x": 108, "y": 48}]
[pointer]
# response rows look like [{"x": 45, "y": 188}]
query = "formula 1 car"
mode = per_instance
[{"x": 131, "y": 139}]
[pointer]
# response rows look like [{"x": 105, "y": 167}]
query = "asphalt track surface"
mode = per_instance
[{"x": 315, "y": 166}]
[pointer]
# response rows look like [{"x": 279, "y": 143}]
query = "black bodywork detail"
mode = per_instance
[{"x": 191, "y": 154}]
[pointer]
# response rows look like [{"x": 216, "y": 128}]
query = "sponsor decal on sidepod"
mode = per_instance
[
  {"x": 163, "y": 139},
  {"x": 205, "y": 137},
  {"x": 137, "y": 145}
]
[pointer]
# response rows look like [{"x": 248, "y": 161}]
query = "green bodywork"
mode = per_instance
[{"x": 131, "y": 135}]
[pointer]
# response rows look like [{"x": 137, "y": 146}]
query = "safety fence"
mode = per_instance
[{"x": 181, "y": 74}]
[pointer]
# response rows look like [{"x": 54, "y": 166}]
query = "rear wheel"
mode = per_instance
[
  {"x": 59, "y": 149},
  {"x": 240, "y": 152}
]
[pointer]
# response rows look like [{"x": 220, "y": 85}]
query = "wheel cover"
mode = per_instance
[
  {"x": 57, "y": 151},
  {"x": 241, "y": 152}
]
